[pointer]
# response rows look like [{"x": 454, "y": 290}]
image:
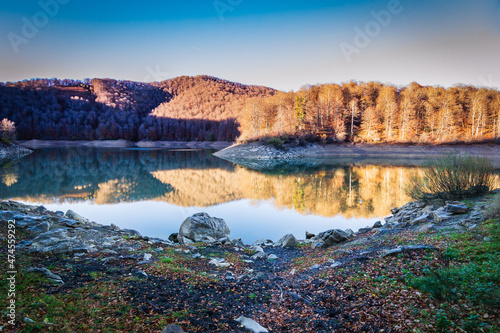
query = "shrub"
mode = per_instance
[
  {"x": 452, "y": 177},
  {"x": 7, "y": 131},
  {"x": 275, "y": 141}
]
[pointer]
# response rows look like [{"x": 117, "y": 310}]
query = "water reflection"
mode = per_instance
[{"x": 195, "y": 178}]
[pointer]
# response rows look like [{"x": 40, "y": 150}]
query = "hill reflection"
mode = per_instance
[{"x": 195, "y": 178}]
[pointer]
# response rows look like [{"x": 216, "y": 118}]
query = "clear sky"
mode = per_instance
[{"x": 281, "y": 44}]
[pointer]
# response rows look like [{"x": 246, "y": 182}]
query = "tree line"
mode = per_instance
[
  {"x": 206, "y": 108},
  {"x": 373, "y": 112},
  {"x": 184, "y": 109}
]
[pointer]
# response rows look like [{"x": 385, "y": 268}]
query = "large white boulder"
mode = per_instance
[{"x": 202, "y": 228}]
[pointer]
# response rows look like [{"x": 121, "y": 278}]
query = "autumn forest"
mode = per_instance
[{"x": 205, "y": 108}]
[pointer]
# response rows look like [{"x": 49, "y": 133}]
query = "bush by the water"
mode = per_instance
[
  {"x": 452, "y": 177},
  {"x": 7, "y": 131}
]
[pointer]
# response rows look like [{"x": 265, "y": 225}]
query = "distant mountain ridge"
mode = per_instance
[{"x": 185, "y": 108}]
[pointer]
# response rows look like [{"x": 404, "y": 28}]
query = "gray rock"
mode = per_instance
[
  {"x": 313, "y": 267},
  {"x": 436, "y": 218},
  {"x": 51, "y": 276},
  {"x": 130, "y": 232},
  {"x": 272, "y": 257},
  {"x": 287, "y": 241},
  {"x": 24, "y": 243},
  {"x": 108, "y": 259},
  {"x": 427, "y": 210},
  {"x": 309, "y": 235},
  {"x": 392, "y": 251},
  {"x": 419, "y": 247},
  {"x": 349, "y": 233},
  {"x": 27, "y": 320},
  {"x": 257, "y": 248},
  {"x": 202, "y": 228},
  {"x": 77, "y": 217},
  {"x": 258, "y": 255},
  {"x": 173, "y": 237},
  {"x": 70, "y": 223},
  {"x": 219, "y": 262},
  {"x": 24, "y": 221},
  {"x": 237, "y": 242},
  {"x": 141, "y": 274},
  {"x": 407, "y": 248},
  {"x": 426, "y": 227},
  {"x": 263, "y": 242},
  {"x": 421, "y": 219},
  {"x": 58, "y": 241},
  {"x": 330, "y": 237},
  {"x": 251, "y": 325},
  {"x": 39, "y": 228},
  {"x": 396, "y": 210},
  {"x": 334, "y": 263},
  {"x": 316, "y": 244},
  {"x": 40, "y": 209},
  {"x": 457, "y": 209},
  {"x": 340, "y": 252},
  {"x": 114, "y": 227},
  {"x": 377, "y": 225},
  {"x": 364, "y": 230},
  {"x": 172, "y": 329}
]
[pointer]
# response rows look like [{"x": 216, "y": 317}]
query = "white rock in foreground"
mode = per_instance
[
  {"x": 203, "y": 228},
  {"x": 251, "y": 325}
]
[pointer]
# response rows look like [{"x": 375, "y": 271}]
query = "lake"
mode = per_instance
[{"x": 153, "y": 191}]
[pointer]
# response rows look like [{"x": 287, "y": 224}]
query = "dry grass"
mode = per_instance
[{"x": 454, "y": 176}]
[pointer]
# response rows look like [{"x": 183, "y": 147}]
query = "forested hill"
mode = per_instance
[
  {"x": 186, "y": 108},
  {"x": 206, "y": 97}
]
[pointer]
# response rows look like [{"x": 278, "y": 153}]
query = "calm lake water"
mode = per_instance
[{"x": 153, "y": 191}]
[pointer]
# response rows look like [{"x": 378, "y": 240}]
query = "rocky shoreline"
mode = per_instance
[
  {"x": 69, "y": 251},
  {"x": 258, "y": 153},
  {"x": 35, "y": 144},
  {"x": 12, "y": 152}
]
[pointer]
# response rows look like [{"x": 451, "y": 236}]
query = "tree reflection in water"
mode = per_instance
[{"x": 196, "y": 178}]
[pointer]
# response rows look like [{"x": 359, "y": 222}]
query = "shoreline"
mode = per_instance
[
  {"x": 259, "y": 153},
  {"x": 37, "y": 144},
  {"x": 91, "y": 263},
  {"x": 12, "y": 152}
]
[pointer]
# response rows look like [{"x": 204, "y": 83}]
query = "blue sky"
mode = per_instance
[{"x": 281, "y": 44}]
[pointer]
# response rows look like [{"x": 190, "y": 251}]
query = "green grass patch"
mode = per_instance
[{"x": 471, "y": 277}]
